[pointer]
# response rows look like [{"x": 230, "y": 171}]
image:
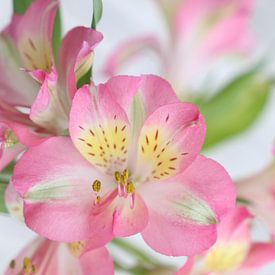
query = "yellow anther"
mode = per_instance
[
  {"x": 26, "y": 264},
  {"x": 97, "y": 200},
  {"x": 12, "y": 264},
  {"x": 125, "y": 175},
  {"x": 118, "y": 177},
  {"x": 10, "y": 138},
  {"x": 130, "y": 188},
  {"x": 34, "y": 269},
  {"x": 96, "y": 186}
]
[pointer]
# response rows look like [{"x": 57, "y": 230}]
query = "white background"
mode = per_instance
[{"x": 241, "y": 156}]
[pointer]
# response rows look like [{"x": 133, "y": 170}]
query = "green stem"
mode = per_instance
[{"x": 134, "y": 251}]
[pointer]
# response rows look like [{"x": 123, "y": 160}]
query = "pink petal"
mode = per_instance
[
  {"x": 16, "y": 86},
  {"x": 7, "y": 155},
  {"x": 259, "y": 190},
  {"x": 57, "y": 190},
  {"x": 97, "y": 262},
  {"x": 128, "y": 50},
  {"x": 14, "y": 202},
  {"x": 236, "y": 226},
  {"x": 259, "y": 255},
  {"x": 32, "y": 33},
  {"x": 183, "y": 210},
  {"x": 149, "y": 91},
  {"x": 19, "y": 137},
  {"x": 100, "y": 129},
  {"x": 128, "y": 221},
  {"x": 76, "y": 48},
  {"x": 169, "y": 141},
  {"x": 48, "y": 110}
]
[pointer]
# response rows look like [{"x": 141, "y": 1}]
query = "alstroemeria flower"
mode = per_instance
[
  {"x": 133, "y": 165},
  {"x": 234, "y": 252},
  {"x": 43, "y": 256},
  {"x": 201, "y": 32},
  {"x": 259, "y": 192},
  {"x": 27, "y": 43}
]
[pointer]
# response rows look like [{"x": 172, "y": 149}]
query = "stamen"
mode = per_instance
[
  {"x": 130, "y": 188},
  {"x": 125, "y": 175},
  {"x": 98, "y": 199},
  {"x": 12, "y": 264},
  {"x": 96, "y": 186},
  {"x": 118, "y": 177},
  {"x": 27, "y": 264}
]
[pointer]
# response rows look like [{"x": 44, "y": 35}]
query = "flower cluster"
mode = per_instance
[{"x": 96, "y": 162}]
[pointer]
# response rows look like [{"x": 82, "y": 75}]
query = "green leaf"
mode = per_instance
[
  {"x": 20, "y": 6},
  {"x": 56, "y": 37},
  {"x": 85, "y": 79},
  {"x": 235, "y": 107},
  {"x": 3, "y": 208},
  {"x": 97, "y": 12}
]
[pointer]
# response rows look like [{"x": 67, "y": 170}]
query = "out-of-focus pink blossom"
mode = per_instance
[
  {"x": 259, "y": 192},
  {"x": 234, "y": 253},
  {"x": 201, "y": 32},
  {"x": 43, "y": 256},
  {"x": 132, "y": 165}
]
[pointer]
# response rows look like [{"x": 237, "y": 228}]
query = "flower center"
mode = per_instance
[
  {"x": 9, "y": 138},
  {"x": 125, "y": 186},
  {"x": 76, "y": 248}
]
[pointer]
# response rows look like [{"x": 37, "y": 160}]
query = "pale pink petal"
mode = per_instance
[
  {"x": 236, "y": 226},
  {"x": 7, "y": 155},
  {"x": 32, "y": 33},
  {"x": 259, "y": 191},
  {"x": 47, "y": 109},
  {"x": 76, "y": 58},
  {"x": 129, "y": 50},
  {"x": 100, "y": 129},
  {"x": 184, "y": 210},
  {"x": 16, "y": 86},
  {"x": 57, "y": 191},
  {"x": 259, "y": 255},
  {"x": 169, "y": 141},
  {"x": 97, "y": 262},
  {"x": 14, "y": 202}
]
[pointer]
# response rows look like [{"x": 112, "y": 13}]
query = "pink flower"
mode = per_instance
[
  {"x": 234, "y": 252},
  {"x": 259, "y": 192},
  {"x": 43, "y": 256},
  {"x": 31, "y": 37},
  {"x": 132, "y": 166},
  {"x": 27, "y": 43},
  {"x": 201, "y": 32}
]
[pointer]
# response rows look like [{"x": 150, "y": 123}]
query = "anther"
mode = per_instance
[
  {"x": 125, "y": 175},
  {"x": 96, "y": 186},
  {"x": 97, "y": 200},
  {"x": 118, "y": 177},
  {"x": 130, "y": 188},
  {"x": 12, "y": 264},
  {"x": 26, "y": 264}
]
